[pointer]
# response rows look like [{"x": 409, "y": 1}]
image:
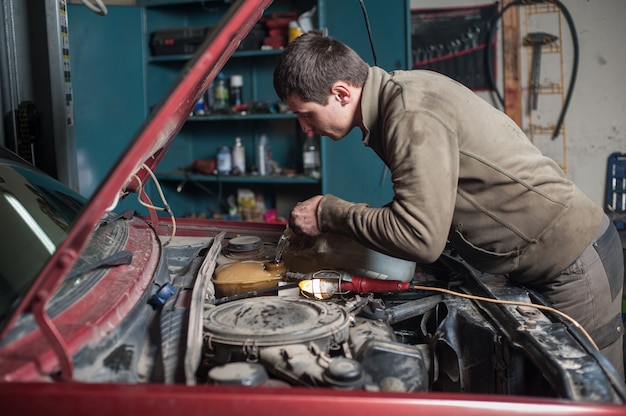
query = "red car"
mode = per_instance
[{"x": 110, "y": 313}]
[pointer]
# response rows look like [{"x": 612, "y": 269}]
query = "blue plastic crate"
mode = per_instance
[{"x": 616, "y": 189}]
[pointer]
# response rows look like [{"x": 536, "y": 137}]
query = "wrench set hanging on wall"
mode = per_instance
[{"x": 454, "y": 41}]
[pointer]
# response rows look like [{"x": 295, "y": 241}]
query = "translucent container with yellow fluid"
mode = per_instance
[{"x": 247, "y": 276}]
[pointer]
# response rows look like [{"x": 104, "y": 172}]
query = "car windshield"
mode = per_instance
[{"x": 36, "y": 213}]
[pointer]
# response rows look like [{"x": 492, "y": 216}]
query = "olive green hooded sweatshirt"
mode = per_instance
[{"x": 462, "y": 172}]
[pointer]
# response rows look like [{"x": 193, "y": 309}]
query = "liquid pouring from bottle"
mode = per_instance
[{"x": 283, "y": 242}]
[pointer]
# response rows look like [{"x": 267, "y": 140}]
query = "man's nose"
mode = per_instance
[{"x": 304, "y": 127}]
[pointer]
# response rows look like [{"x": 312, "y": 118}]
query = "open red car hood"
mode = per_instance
[{"x": 148, "y": 146}]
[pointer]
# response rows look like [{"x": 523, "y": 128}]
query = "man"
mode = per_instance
[{"x": 462, "y": 172}]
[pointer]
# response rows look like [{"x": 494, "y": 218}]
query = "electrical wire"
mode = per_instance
[
  {"x": 325, "y": 284},
  {"x": 570, "y": 23},
  {"x": 165, "y": 207},
  {"x": 508, "y": 302}
]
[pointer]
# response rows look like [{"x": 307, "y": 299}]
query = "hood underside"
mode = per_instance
[{"x": 148, "y": 146}]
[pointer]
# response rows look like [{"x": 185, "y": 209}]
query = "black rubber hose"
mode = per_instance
[
  {"x": 570, "y": 23},
  {"x": 369, "y": 31}
]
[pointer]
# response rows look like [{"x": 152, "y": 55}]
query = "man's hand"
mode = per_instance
[{"x": 303, "y": 217}]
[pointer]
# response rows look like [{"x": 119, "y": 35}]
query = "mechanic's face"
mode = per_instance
[{"x": 333, "y": 120}]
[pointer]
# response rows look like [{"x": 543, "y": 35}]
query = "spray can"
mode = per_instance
[
  {"x": 236, "y": 93},
  {"x": 264, "y": 156}
]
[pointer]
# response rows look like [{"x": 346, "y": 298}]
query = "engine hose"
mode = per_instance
[{"x": 570, "y": 23}]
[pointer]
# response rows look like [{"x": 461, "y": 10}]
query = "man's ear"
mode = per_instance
[{"x": 341, "y": 92}]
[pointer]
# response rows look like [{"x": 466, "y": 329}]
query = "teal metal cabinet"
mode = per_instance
[{"x": 107, "y": 67}]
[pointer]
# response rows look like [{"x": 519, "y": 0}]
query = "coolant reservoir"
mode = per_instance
[{"x": 246, "y": 276}]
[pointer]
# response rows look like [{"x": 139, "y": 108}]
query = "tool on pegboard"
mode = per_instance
[
  {"x": 560, "y": 6},
  {"x": 536, "y": 40}
]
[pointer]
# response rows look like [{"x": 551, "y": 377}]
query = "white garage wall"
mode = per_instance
[{"x": 595, "y": 121}]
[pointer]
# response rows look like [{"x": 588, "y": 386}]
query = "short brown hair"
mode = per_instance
[{"x": 312, "y": 63}]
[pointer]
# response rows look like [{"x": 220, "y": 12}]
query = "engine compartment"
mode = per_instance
[{"x": 415, "y": 340}]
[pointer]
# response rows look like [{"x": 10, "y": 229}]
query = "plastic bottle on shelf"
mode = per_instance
[
  {"x": 220, "y": 94},
  {"x": 224, "y": 161},
  {"x": 236, "y": 93},
  {"x": 311, "y": 155},
  {"x": 293, "y": 31},
  {"x": 264, "y": 156},
  {"x": 239, "y": 157}
]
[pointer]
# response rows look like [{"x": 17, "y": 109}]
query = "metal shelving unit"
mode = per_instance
[{"x": 117, "y": 51}]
